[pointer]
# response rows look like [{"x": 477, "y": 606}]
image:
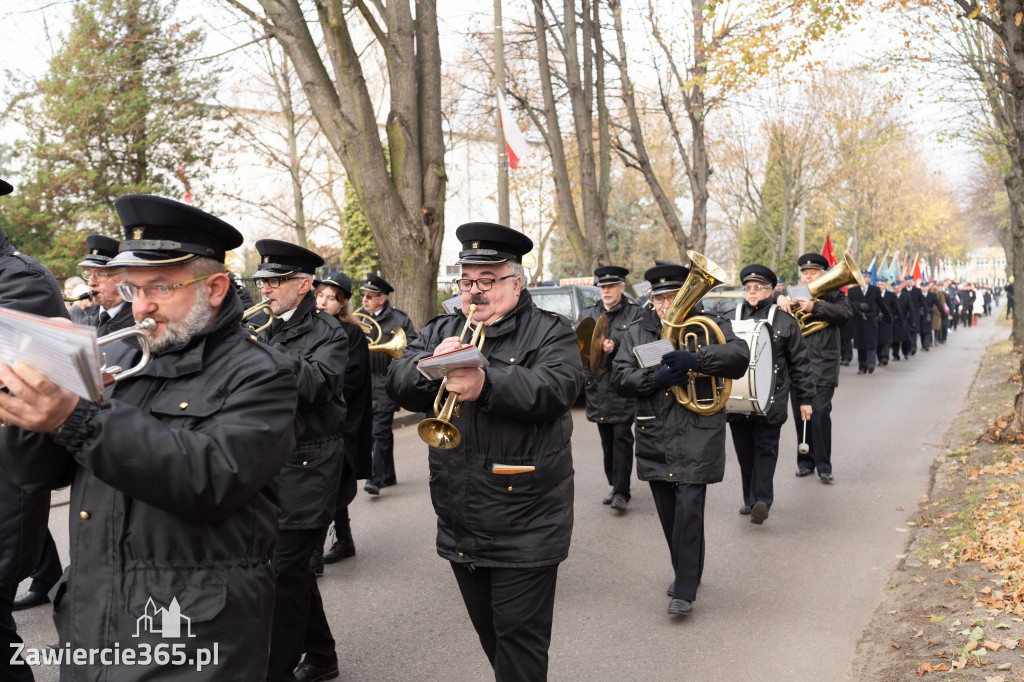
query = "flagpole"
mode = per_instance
[{"x": 499, "y": 84}]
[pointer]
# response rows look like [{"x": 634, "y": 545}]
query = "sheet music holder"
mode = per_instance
[
  {"x": 437, "y": 366},
  {"x": 799, "y": 291},
  {"x": 66, "y": 354},
  {"x": 649, "y": 354}
]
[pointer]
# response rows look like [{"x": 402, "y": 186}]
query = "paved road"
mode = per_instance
[{"x": 786, "y": 600}]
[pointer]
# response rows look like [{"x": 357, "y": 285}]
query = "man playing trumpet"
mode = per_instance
[{"x": 503, "y": 496}]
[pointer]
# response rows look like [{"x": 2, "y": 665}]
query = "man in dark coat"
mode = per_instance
[
  {"x": 909, "y": 308},
  {"x": 375, "y": 293},
  {"x": 967, "y": 311},
  {"x": 173, "y": 496},
  {"x": 885, "y": 323},
  {"x": 901, "y": 328},
  {"x": 823, "y": 354},
  {"x": 679, "y": 452},
  {"x": 613, "y": 413},
  {"x": 503, "y": 495},
  {"x": 1009, "y": 299},
  {"x": 867, "y": 306},
  {"x": 953, "y": 302},
  {"x": 27, "y": 286},
  {"x": 756, "y": 437},
  {"x": 308, "y": 483},
  {"x": 928, "y": 304}
]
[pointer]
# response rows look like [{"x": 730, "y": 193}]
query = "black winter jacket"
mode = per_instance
[
  {"x": 909, "y": 310},
  {"x": 674, "y": 444},
  {"x": 358, "y": 427},
  {"x": 792, "y": 363},
  {"x": 823, "y": 347},
  {"x": 604, "y": 404},
  {"x": 172, "y": 497},
  {"x": 522, "y": 417},
  {"x": 318, "y": 347},
  {"x": 389, "y": 320},
  {"x": 27, "y": 286}
]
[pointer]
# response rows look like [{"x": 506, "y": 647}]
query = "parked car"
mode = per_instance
[
  {"x": 567, "y": 299},
  {"x": 722, "y": 300}
]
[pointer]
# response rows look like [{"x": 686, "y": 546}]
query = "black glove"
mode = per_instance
[
  {"x": 666, "y": 376},
  {"x": 864, "y": 307},
  {"x": 680, "y": 360}
]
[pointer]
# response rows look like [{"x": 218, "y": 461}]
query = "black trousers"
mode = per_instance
[
  {"x": 512, "y": 610},
  {"x": 319, "y": 644},
  {"x": 866, "y": 358},
  {"x": 617, "y": 444},
  {"x": 819, "y": 430},
  {"x": 681, "y": 511},
  {"x": 347, "y": 485},
  {"x": 757, "y": 450},
  {"x": 882, "y": 352},
  {"x": 926, "y": 337},
  {"x": 8, "y": 636},
  {"x": 295, "y": 585},
  {"x": 48, "y": 570},
  {"x": 846, "y": 350},
  {"x": 910, "y": 347},
  {"x": 383, "y": 448}
]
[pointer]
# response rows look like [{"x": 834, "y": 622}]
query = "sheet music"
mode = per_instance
[
  {"x": 438, "y": 366},
  {"x": 799, "y": 291},
  {"x": 65, "y": 353},
  {"x": 649, "y": 354}
]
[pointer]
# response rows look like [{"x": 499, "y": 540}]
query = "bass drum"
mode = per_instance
[{"x": 753, "y": 394}]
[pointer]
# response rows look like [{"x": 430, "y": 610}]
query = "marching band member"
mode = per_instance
[
  {"x": 678, "y": 452},
  {"x": 504, "y": 533},
  {"x": 317, "y": 345},
  {"x": 173, "y": 498}
]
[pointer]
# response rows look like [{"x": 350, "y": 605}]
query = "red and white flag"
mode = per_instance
[{"x": 515, "y": 143}]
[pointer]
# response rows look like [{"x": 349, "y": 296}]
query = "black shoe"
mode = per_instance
[
  {"x": 862, "y": 371},
  {"x": 803, "y": 471},
  {"x": 680, "y": 607},
  {"x": 825, "y": 478},
  {"x": 885, "y": 363},
  {"x": 758, "y": 513},
  {"x": 388, "y": 484},
  {"x": 671, "y": 589},
  {"x": 372, "y": 488},
  {"x": 28, "y": 599},
  {"x": 745, "y": 510},
  {"x": 338, "y": 551},
  {"x": 926, "y": 349},
  {"x": 619, "y": 502},
  {"x": 895, "y": 359},
  {"x": 871, "y": 369},
  {"x": 316, "y": 562},
  {"x": 310, "y": 672},
  {"x": 608, "y": 498},
  {"x": 844, "y": 363}
]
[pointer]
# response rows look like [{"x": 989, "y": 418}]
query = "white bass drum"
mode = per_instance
[{"x": 755, "y": 391}]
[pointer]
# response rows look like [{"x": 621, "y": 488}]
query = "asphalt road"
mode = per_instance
[{"x": 784, "y": 601}]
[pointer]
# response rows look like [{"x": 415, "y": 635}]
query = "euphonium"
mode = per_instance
[
  {"x": 264, "y": 304},
  {"x": 704, "y": 276},
  {"x": 843, "y": 273},
  {"x": 116, "y": 373},
  {"x": 371, "y": 329},
  {"x": 439, "y": 432}
]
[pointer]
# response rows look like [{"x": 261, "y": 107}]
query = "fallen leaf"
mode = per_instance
[
  {"x": 933, "y": 642},
  {"x": 1018, "y": 17},
  {"x": 899, "y": 508},
  {"x": 1010, "y": 644},
  {"x": 991, "y": 646},
  {"x": 952, "y": 582},
  {"x": 985, "y": 590},
  {"x": 1004, "y": 666},
  {"x": 894, "y": 645},
  {"x": 892, "y": 613},
  {"x": 971, "y": 646},
  {"x": 941, "y": 668},
  {"x": 976, "y": 634},
  {"x": 924, "y": 668},
  {"x": 937, "y": 619},
  {"x": 920, "y": 633},
  {"x": 1002, "y": 626},
  {"x": 959, "y": 664}
]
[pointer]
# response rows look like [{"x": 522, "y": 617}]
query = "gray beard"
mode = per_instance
[{"x": 178, "y": 333}]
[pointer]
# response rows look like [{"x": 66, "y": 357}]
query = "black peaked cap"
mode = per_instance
[
  {"x": 666, "y": 277},
  {"x": 5, "y": 188},
  {"x": 761, "y": 273},
  {"x": 161, "y": 231},
  {"x": 812, "y": 260},
  {"x": 279, "y": 258},
  {"x": 377, "y": 284},
  {"x": 489, "y": 243},
  {"x": 339, "y": 280},
  {"x": 102, "y": 250},
  {"x": 610, "y": 274}
]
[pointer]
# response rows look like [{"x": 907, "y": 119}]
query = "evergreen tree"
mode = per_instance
[
  {"x": 359, "y": 249},
  {"x": 770, "y": 239},
  {"x": 120, "y": 111}
]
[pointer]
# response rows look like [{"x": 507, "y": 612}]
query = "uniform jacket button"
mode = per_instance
[
  {"x": 84, "y": 514},
  {"x": 461, "y": 554},
  {"x": 182, "y": 406},
  {"x": 671, "y": 475},
  {"x": 305, "y": 463},
  {"x": 510, "y": 488}
]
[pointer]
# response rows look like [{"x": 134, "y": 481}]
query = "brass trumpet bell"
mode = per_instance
[
  {"x": 842, "y": 274},
  {"x": 371, "y": 330},
  {"x": 395, "y": 347},
  {"x": 114, "y": 373},
  {"x": 264, "y": 304}
]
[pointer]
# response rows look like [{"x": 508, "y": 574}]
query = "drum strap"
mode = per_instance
[{"x": 771, "y": 313}]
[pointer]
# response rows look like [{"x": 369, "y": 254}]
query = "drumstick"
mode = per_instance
[{"x": 803, "y": 449}]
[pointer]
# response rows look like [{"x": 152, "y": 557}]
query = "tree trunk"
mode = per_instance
[{"x": 700, "y": 169}]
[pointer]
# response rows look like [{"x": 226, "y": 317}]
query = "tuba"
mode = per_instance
[
  {"x": 264, "y": 304},
  {"x": 843, "y": 273},
  {"x": 438, "y": 431},
  {"x": 704, "y": 276}
]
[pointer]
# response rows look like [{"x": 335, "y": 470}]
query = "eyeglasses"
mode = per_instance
[
  {"x": 272, "y": 282},
  {"x": 755, "y": 287},
  {"x": 153, "y": 292},
  {"x": 101, "y": 275},
  {"x": 483, "y": 284}
]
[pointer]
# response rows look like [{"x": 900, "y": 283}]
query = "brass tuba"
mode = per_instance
[
  {"x": 264, "y": 304},
  {"x": 704, "y": 276},
  {"x": 843, "y": 273}
]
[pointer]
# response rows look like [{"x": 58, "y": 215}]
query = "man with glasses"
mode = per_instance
[
  {"x": 317, "y": 344},
  {"x": 613, "y": 413},
  {"x": 823, "y": 353},
  {"x": 375, "y": 292},
  {"x": 678, "y": 452},
  {"x": 756, "y": 437},
  {"x": 173, "y": 498},
  {"x": 503, "y": 495},
  {"x": 112, "y": 313}
]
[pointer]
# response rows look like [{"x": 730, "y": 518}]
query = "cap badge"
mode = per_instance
[
  {"x": 476, "y": 245},
  {"x": 94, "y": 251},
  {"x": 137, "y": 234},
  {"x": 266, "y": 259},
  {"x": 661, "y": 280}
]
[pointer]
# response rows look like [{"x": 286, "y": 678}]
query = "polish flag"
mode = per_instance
[{"x": 515, "y": 143}]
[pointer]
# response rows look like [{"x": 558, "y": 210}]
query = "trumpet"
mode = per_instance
[
  {"x": 116, "y": 373},
  {"x": 81, "y": 297},
  {"x": 439, "y": 432},
  {"x": 264, "y": 304}
]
